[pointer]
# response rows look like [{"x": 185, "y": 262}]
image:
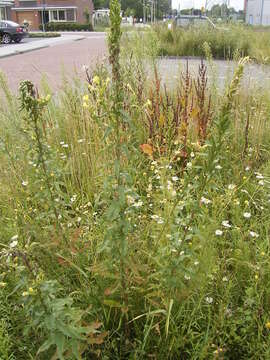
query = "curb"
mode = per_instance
[{"x": 20, "y": 52}]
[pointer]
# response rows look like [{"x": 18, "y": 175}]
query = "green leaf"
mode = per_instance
[
  {"x": 168, "y": 317},
  {"x": 69, "y": 331},
  {"x": 60, "y": 344},
  {"x": 112, "y": 303},
  {"x": 46, "y": 345}
]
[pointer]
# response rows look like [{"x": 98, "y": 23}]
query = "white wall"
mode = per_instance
[
  {"x": 266, "y": 13},
  {"x": 254, "y": 14}
]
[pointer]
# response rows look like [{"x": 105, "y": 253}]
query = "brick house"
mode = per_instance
[
  {"x": 37, "y": 12},
  {"x": 5, "y": 9}
]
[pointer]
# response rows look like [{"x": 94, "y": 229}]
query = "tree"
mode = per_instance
[
  {"x": 99, "y": 4},
  {"x": 136, "y": 7},
  {"x": 216, "y": 11}
]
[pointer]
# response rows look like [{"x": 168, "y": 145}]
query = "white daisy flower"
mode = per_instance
[
  {"x": 253, "y": 234},
  {"x": 209, "y": 299},
  {"x": 138, "y": 204},
  {"x": 13, "y": 244},
  {"x": 226, "y": 224},
  {"x": 205, "y": 200},
  {"x": 219, "y": 232},
  {"x": 247, "y": 215}
]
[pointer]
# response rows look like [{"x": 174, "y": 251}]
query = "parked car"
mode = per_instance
[{"x": 11, "y": 31}]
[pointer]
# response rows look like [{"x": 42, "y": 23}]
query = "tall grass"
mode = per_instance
[
  {"x": 224, "y": 43},
  {"x": 161, "y": 242}
]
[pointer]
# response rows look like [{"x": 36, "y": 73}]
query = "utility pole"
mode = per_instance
[
  {"x": 261, "y": 15},
  {"x": 144, "y": 11},
  {"x": 43, "y": 20}
]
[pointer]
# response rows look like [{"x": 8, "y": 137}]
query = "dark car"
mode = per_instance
[{"x": 11, "y": 31}]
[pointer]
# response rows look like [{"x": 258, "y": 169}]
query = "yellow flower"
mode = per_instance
[
  {"x": 262, "y": 253},
  {"x": 96, "y": 80},
  {"x": 256, "y": 277},
  {"x": 31, "y": 290},
  {"x": 48, "y": 97},
  {"x": 246, "y": 202},
  {"x": 25, "y": 293},
  {"x": 85, "y": 105},
  {"x": 244, "y": 177},
  {"x": 86, "y": 98},
  {"x": 148, "y": 103},
  {"x": 267, "y": 325},
  {"x": 2, "y": 284}
]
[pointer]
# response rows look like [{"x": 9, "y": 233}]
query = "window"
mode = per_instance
[
  {"x": 54, "y": 15},
  {"x": 71, "y": 15},
  {"x": 2, "y": 13},
  {"x": 62, "y": 15}
]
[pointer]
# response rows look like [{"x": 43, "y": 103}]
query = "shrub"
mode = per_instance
[
  {"x": 44, "y": 35},
  {"x": 67, "y": 26}
]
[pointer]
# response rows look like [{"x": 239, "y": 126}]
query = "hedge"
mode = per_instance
[
  {"x": 67, "y": 26},
  {"x": 43, "y": 35}
]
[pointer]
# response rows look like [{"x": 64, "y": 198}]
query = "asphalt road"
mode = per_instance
[
  {"x": 67, "y": 58},
  {"x": 70, "y": 57},
  {"x": 255, "y": 76}
]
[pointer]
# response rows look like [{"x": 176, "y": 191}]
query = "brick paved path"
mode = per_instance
[{"x": 52, "y": 61}]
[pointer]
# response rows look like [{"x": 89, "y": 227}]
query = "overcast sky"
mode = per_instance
[{"x": 237, "y": 4}]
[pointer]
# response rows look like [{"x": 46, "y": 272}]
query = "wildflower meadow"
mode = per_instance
[{"x": 135, "y": 218}]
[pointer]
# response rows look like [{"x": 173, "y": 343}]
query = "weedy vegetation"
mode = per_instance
[
  {"x": 225, "y": 42},
  {"x": 135, "y": 219}
]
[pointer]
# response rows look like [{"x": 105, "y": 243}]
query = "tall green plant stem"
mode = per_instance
[{"x": 114, "y": 51}]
